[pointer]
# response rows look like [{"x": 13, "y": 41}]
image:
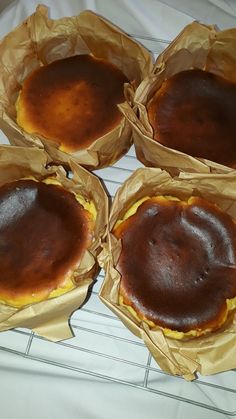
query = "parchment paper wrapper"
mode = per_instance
[
  {"x": 39, "y": 41},
  {"x": 197, "y": 46},
  {"x": 206, "y": 355},
  {"x": 49, "y": 318}
]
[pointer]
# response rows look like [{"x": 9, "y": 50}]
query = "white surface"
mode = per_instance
[{"x": 30, "y": 388}]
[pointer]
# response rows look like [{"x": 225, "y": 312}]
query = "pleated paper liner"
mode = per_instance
[
  {"x": 197, "y": 46},
  {"x": 50, "y": 318},
  {"x": 207, "y": 354},
  {"x": 40, "y": 40}
]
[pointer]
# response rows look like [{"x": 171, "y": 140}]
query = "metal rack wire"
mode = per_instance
[{"x": 102, "y": 347}]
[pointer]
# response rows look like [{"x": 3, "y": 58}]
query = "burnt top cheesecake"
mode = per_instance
[
  {"x": 44, "y": 232},
  {"x": 72, "y": 101},
  {"x": 177, "y": 264},
  {"x": 194, "y": 112}
]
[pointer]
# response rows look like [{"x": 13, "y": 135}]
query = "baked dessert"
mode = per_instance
[
  {"x": 194, "y": 112},
  {"x": 177, "y": 264},
  {"x": 72, "y": 101},
  {"x": 44, "y": 232}
]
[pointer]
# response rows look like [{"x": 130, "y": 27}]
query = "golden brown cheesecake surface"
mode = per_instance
[{"x": 72, "y": 101}]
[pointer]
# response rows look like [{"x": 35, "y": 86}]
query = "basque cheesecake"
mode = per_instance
[
  {"x": 44, "y": 232},
  {"x": 72, "y": 101},
  {"x": 177, "y": 264},
  {"x": 194, "y": 111}
]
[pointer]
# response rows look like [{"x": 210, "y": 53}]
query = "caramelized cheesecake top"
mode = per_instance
[
  {"x": 194, "y": 112},
  {"x": 177, "y": 262},
  {"x": 72, "y": 101},
  {"x": 44, "y": 232}
]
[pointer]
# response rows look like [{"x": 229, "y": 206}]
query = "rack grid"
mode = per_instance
[{"x": 102, "y": 347}]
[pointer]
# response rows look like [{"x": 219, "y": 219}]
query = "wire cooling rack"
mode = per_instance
[{"x": 102, "y": 347}]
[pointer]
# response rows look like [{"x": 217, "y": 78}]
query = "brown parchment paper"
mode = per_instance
[
  {"x": 206, "y": 355},
  {"x": 40, "y": 40},
  {"x": 50, "y": 318},
  {"x": 197, "y": 46}
]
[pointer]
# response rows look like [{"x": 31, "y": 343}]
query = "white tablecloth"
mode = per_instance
[{"x": 33, "y": 389}]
